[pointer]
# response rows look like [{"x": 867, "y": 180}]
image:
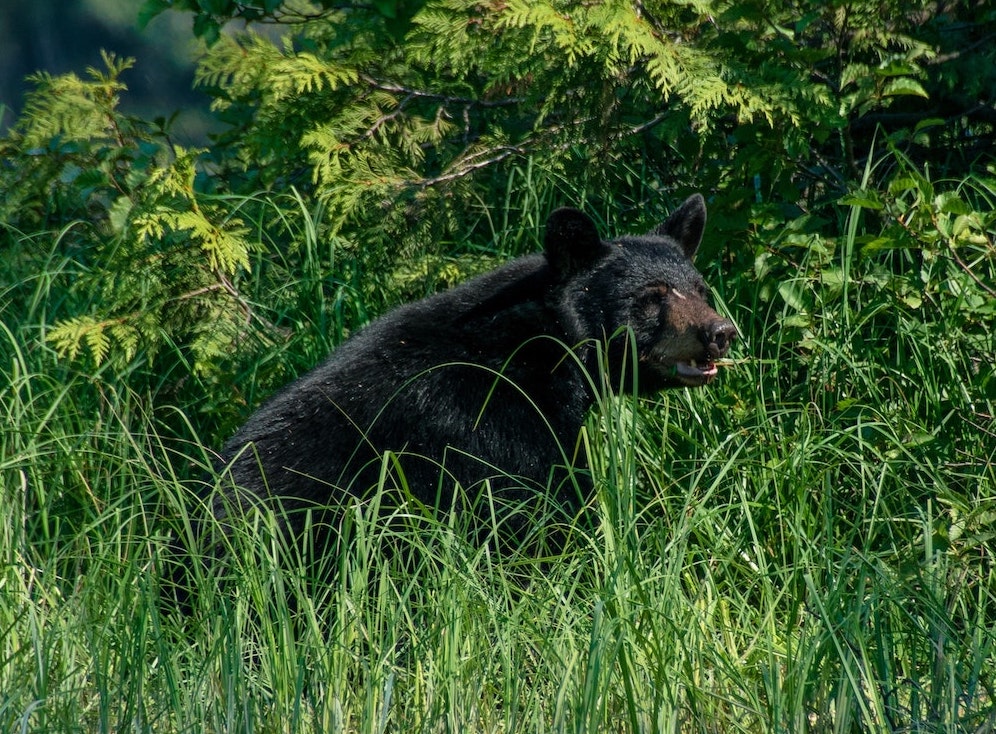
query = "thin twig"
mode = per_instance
[
  {"x": 964, "y": 266},
  {"x": 504, "y": 152},
  {"x": 422, "y": 94}
]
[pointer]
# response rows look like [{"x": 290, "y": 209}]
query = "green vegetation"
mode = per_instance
[{"x": 807, "y": 544}]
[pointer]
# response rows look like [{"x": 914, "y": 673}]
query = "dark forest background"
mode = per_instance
[{"x": 61, "y": 37}]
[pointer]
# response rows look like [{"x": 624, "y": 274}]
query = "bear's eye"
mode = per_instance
[
  {"x": 657, "y": 292},
  {"x": 649, "y": 300}
]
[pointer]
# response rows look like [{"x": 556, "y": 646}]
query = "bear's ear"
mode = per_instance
[
  {"x": 685, "y": 225},
  {"x": 572, "y": 243}
]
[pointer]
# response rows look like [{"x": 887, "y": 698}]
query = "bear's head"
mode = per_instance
[{"x": 642, "y": 292}]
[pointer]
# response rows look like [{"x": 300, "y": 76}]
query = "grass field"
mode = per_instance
[{"x": 806, "y": 545}]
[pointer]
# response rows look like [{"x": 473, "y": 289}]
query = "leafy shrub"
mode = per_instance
[{"x": 155, "y": 257}]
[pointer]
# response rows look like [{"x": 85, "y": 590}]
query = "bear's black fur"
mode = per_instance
[{"x": 491, "y": 380}]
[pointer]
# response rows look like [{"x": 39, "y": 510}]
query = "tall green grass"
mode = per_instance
[{"x": 806, "y": 545}]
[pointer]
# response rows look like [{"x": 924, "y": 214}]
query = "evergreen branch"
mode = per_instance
[
  {"x": 500, "y": 154},
  {"x": 985, "y": 42},
  {"x": 383, "y": 120},
  {"x": 438, "y": 97},
  {"x": 225, "y": 285},
  {"x": 642, "y": 127},
  {"x": 469, "y": 163}
]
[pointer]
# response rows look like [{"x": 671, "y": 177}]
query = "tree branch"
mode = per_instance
[{"x": 435, "y": 96}]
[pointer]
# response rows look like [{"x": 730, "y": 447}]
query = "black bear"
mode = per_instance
[{"x": 483, "y": 389}]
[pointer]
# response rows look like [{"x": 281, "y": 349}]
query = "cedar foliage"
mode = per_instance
[{"x": 400, "y": 129}]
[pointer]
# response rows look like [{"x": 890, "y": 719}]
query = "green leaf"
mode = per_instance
[
  {"x": 865, "y": 199},
  {"x": 387, "y": 8},
  {"x": 119, "y": 213},
  {"x": 149, "y": 10},
  {"x": 903, "y": 183},
  {"x": 217, "y": 7},
  {"x": 797, "y": 320},
  {"x": 792, "y": 292},
  {"x": 884, "y": 242},
  {"x": 950, "y": 202},
  {"x": 904, "y": 87},
  {"x": 207, "y": 28},
  {"x": 896, "y": 68},
  {"x": 929, "y": 123}
]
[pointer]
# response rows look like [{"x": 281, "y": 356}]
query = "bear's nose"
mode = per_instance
[{"x": 719, "y": 335}]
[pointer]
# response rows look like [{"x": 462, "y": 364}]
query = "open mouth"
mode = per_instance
[{"x": 694, "y": 372}]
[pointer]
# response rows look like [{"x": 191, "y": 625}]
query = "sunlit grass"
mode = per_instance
[{"x": 805, "y": 545}]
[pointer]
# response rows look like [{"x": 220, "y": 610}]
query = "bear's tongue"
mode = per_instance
[{"x": 694, "y": 371}]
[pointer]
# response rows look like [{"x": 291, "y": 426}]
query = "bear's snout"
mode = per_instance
[{"x": 718, "y": 336}]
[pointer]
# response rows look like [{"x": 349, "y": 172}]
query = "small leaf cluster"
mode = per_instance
[
  {"x": 154, "y": 259},
  {"x": 906, "y": 294}
]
